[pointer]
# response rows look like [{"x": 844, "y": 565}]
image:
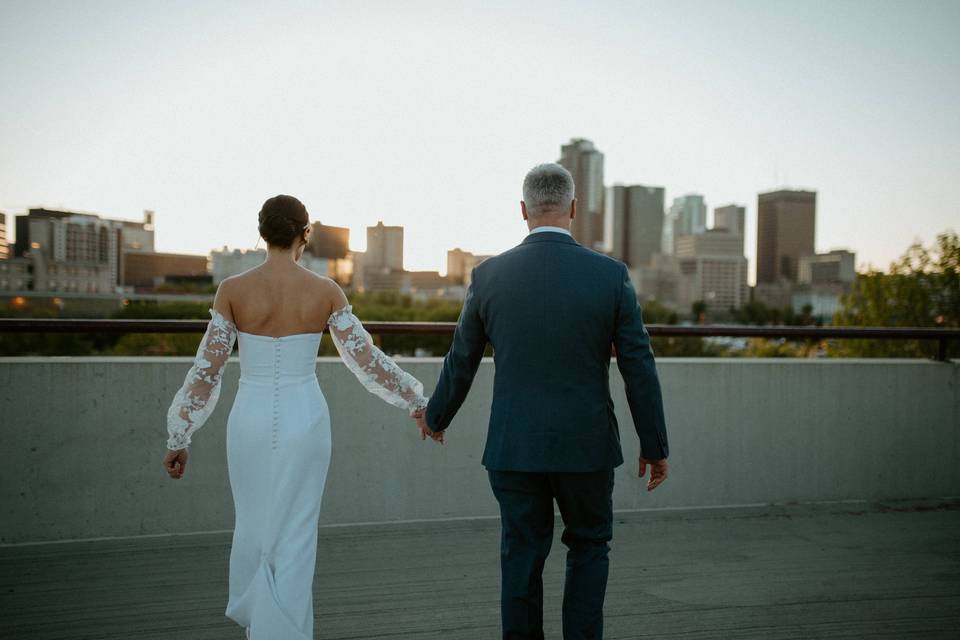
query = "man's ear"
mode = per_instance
[
  {"x": 523, "y": 210},
  {"x": 573, "y": 208}
]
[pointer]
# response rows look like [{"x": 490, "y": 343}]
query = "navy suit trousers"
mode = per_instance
[{"x": 526, "y": 501}]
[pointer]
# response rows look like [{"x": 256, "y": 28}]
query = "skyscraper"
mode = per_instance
[
  {"x": 732, "y": 219},
  {"x": 460, "y": 264},
  {"x": 384, "y": 248},
  {"x": 636, "y": 213},
  {"x": 585, "y": 164},
  {"x": 688, "y": 216},
  {"x": 786, "y": 222},
  {"x": 712, "y": 269},
  {"x": 4, "y": 252},
  {"x": 329, "y": 242}
]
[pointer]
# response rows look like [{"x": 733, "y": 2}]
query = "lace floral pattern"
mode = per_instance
[
  {"x": 197, "y": 398},
  {"x": 373, "y": 368}
]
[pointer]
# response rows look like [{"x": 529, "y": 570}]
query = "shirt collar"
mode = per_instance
[{"x": 549, "y": 228}]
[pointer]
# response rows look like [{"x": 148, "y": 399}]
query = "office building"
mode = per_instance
[
  {"x": 4, "y": 249},
  {"x": 687, "y": 216},
  {"x": 333, "y": 245},
  {"x": 139, "y": 236},
  {"x": 711, "y": 269},
  {"x": 228, "y": 262},
  {"x": 148, "y": 269},
  {"x": 786, "y": 223},
  {"x": 636, "y": 217},
  {"x": 657, "y": 281},
  {"x": 384, "y": 248},
  {"x": 329, "y": 242},
  {"x": 823, "y": 279},
  {"x": 460, "y": 264},
  {"x": 15, "y": 274},
  {"x": 732, "y": 219},
  {"x": 833, "y": 267},
  {"x": 71, "y": 252},
  {"x": 585, "y": 164}
]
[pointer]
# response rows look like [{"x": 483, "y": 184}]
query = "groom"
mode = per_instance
[{"x": 551, "y": 309}]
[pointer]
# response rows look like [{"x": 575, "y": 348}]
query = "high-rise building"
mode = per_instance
[
  {"x": 786, "y": 222},
  {"x": 4, "y": 250},
  {"x": 712, "y": 269},
  {"x": 460, "y": 264},
  {"x": 70, "y": 251},
  {"x": 688, "y": 216},
  {"x": 384, "y": 248},
  {"x": 329, "y": 242},
  {"x": 636, "y": 215},
  {"x": 149, "y": 269},
  {"x": 731, "y": 218},
  {"x": 585, "y": 164}
]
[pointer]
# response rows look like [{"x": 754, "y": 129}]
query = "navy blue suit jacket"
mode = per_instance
[{"x": 551, "y": 309}]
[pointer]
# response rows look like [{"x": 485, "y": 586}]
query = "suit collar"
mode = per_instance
[{"x": 549, "y": 236}]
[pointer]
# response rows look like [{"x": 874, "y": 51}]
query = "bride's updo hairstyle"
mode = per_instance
[{"x": 282, "y": 220}]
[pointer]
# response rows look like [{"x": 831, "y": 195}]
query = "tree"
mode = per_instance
[
  {"x": 699, "y": 311},
  {"x": 921, "y": 289}
]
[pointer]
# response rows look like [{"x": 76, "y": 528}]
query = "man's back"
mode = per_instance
[{"x": 552, "y": 309}]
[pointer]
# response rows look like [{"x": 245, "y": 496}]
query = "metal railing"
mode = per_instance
[{"x": 80, "y": 325}]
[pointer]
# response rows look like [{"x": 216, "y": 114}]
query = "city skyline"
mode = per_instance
[{"x": 354, "y": 112}]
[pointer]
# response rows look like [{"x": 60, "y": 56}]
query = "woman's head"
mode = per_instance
[{"x": 284, "y": 222}]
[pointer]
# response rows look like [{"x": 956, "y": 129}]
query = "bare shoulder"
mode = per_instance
[{"x": 323, "y": 289}]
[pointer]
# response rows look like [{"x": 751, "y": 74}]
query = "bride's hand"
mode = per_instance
[{"x": 175, "y": 462}]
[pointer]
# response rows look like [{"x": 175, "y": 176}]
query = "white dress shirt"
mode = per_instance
[{"x": 549, "y": 228}]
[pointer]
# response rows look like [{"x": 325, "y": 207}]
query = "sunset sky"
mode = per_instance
[{"x": 427, "y": 114}]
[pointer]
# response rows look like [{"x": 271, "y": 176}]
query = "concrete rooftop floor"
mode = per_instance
[{"x": 850, "y": 570}]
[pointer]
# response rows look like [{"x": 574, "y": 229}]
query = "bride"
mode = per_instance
[{"x": 278, "y": 430}]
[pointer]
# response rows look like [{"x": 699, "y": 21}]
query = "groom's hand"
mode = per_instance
[
  {"x": 658, "y": 472},
  {"x": 420, "y": 417}
]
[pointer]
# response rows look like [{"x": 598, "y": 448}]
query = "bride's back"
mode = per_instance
[{"x": 279, "y": 299}]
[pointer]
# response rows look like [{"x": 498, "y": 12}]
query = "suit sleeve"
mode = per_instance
[
  {"x": 636, "y": 363},
  {"x": 461, "y": 363}
]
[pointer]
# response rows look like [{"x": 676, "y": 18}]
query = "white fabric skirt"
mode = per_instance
[{"x": 278, "y": 455}]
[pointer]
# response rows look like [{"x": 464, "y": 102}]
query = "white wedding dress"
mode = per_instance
[{"x": 278, "y": 453}]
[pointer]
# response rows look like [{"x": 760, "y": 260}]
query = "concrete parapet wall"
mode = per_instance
[{"x": 83, "y": 439}]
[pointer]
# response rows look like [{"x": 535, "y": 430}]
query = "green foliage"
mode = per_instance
[
  {"x": 921, "y": 289},
  {"x": 147, "y": 310},
  {"x": 671, "y": 347},
  {"x": 397, "y": 307},
  {"x": 757, "y": 313}
]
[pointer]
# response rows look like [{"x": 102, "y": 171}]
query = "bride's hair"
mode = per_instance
[{"x": 282, "y": 220}]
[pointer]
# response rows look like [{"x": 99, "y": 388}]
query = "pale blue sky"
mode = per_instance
[{"x": 427, "y": 114}]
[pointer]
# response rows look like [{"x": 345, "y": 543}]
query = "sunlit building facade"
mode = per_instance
[
  {"x": 635, "y": 214},
  {"x": 585, "y": 164},
  {"x": 786, "y": 223},
  {"x": 4, "y": 249}
]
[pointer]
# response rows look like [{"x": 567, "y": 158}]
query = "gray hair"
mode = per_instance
[{"x": 547, "y": 186}]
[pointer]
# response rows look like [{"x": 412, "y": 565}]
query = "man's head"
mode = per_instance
[{"x": 548, "y": 196}]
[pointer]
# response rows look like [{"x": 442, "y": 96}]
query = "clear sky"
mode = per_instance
[{"x": 427, "y": 114}]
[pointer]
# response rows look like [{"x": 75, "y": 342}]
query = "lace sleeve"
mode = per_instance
[
  {"x": 373, "y": 368},
  {"x": 197, "y": 398}
]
